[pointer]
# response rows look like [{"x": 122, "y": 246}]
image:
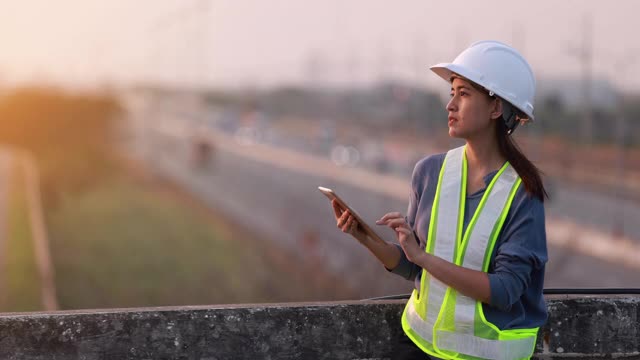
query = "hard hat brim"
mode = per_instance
[{"x": 446, "y": 70}]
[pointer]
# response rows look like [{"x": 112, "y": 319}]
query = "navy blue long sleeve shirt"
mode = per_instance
[{"x": 516, "y": 270}]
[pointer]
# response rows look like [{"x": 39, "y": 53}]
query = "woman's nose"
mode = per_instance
[{"x": 451, "y": 105}]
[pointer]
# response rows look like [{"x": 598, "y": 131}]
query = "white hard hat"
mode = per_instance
[{"x": 498, "y": 68}]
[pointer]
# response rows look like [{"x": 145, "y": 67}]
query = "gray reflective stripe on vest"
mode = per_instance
[
  {"x": 486, "y": 348},
  {"x": 478, "y": 241},
  {"x": 424, "y": 328},
  {"x": 448, "y": 204}
]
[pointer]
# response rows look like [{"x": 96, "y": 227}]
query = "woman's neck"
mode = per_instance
[{"x": 483, "y": 155}]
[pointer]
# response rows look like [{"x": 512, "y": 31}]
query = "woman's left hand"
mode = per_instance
[{"x": 404, "y": 233}]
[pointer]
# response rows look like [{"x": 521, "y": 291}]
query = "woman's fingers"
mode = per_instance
[
  {"x": 343, "y": 218},
  {"x": 388, "y": 216},
  {"x": 350, "y": 225},
  {"x": 396, "y": 223},
  {"x": 400, "y": 222},
  {"x": 347, "y": 225},
  {"x": 345, "y": 221},
  {"x": 337, "y": 209}
]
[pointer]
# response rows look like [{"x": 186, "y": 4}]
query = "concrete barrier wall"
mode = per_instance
[{"x": 578, "y": 328}]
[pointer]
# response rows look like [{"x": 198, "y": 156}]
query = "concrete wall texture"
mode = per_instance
[{"x": 579, "y": 327}]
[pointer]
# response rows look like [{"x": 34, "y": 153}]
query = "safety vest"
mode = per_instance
[{"x": 439, "y": 319}]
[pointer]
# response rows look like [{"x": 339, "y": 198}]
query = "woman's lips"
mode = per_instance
[{"x": 452, "y": 120}]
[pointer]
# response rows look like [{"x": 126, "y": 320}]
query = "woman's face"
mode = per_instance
[{"x": 470, "y": 110}]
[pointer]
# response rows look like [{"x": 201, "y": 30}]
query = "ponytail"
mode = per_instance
[{"x": 527, "y": 171}]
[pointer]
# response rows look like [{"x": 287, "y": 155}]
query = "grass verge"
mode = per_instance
[{"x": 138, "y": 241}]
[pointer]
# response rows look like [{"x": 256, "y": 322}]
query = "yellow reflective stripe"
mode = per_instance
[
  {"x": 488, "y": 217},
  {"x": 434, "y": 211},
  {"x": 447, "y": 298},
  {"x": 485, "y": 322},
  {"x": 417, "y": 323},
  {"x": 424, "y": 285},
  {"x": 423, "y": 344},
  {"x": 498, "y": 226},
  {"x": 446, "y": 234},
  {"x": 476, "y": 214},
  {"x": 492, "y": 243},
  {"x": 463, "y": 199}
]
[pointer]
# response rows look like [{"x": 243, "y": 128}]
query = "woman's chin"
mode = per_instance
[{"x": 454, "y": 133}]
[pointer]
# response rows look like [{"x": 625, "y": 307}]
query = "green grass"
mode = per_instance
[
  {"x": 127, "y": 244},
  {"x": 21, "y": 280}
]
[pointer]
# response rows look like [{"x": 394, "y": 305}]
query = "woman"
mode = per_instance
[{"x": 473, "y": 239}]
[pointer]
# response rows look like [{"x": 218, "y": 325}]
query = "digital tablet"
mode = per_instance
[{"x": 367, "y": 229}]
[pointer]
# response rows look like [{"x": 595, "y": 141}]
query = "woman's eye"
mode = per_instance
[
  {"x": 450, "y": 94},
  {"x": 462, "y": 93}
]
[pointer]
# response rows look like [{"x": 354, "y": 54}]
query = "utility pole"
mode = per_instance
[
  {"x": 585, "y": 54},
  {"x": 587, "y": 71},
  {"x": 419, "y": 69},
  {"x": 621, "y": 138},
  {"x": 621, "y": 131},
  {"x": 316, "y": 70}
]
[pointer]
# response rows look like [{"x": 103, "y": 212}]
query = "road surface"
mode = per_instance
[{"x": 279, "y": 198}]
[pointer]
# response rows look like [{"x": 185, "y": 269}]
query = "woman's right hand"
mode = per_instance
[{"x": 347, "y": 223}]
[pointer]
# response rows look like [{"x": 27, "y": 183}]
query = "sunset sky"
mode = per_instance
[{"x": 240, "y": 42}]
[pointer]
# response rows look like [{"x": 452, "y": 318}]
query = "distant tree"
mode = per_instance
[{"x": 71, "y": 135}]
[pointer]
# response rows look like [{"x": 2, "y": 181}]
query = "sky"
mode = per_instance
[{"x": 236, "y": 43}]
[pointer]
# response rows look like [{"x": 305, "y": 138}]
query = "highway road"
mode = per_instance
[{"x": 277, "y": 196}]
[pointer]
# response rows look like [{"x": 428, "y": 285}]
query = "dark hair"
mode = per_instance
[{"x": 528, "y": 172}]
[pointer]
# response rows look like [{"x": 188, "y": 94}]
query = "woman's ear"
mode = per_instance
[{"x": 496, "y": 108}]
